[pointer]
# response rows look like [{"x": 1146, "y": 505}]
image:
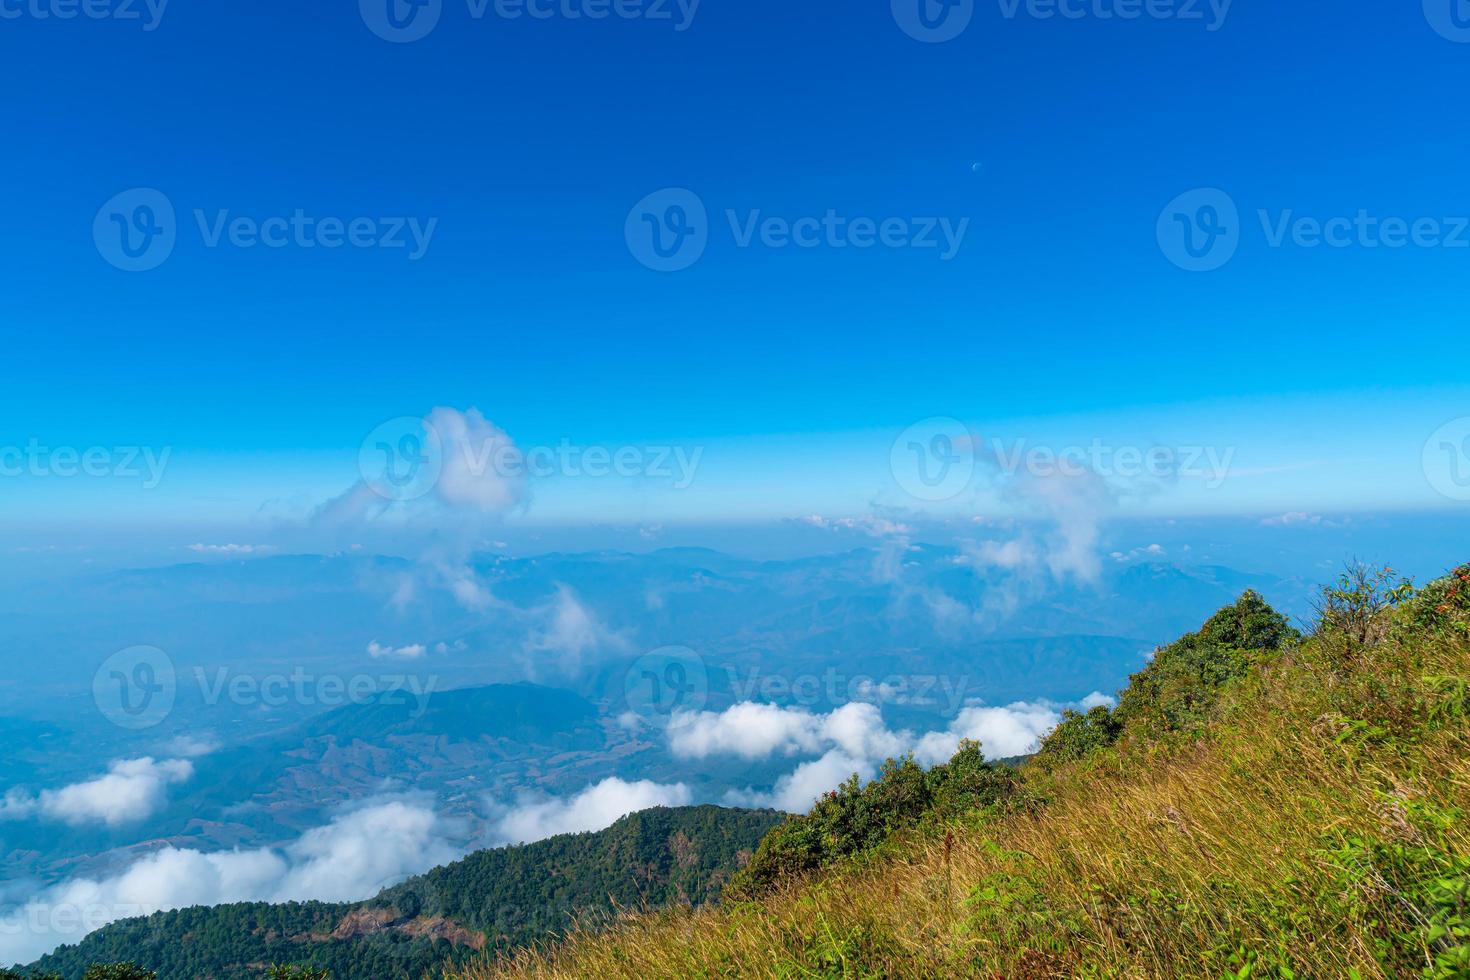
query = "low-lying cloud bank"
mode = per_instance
[
  {"x": 851, "y": 739},
  {"x": 350, "y": 858},
  {"x": 594, "y": 808},
  {"x": 131, "y": 790}
]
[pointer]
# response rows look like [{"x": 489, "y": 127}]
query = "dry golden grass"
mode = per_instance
[{"x": 1158, "y": 861}]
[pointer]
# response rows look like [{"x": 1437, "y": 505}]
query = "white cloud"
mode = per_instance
[
  {"x": 1297, "y": 517},
  {"x": 473, "y": 475},
  {"x": 796, "y": 791},
  {"x": 349, "y": 859},
  {"x": 479, "y": 475},
  {"x": 1015, "y": 729},
  {"x": 749, "y": 730},
  {"x": 191, "y": 746},
  {"x": 413, "y": 651},
  {"x": 231, "y": 549},
  {"x": 594, "y": 808},
  {"x": 363, "y": 851},
  {"x": 872, "y": 525},
  {"x": 851, "y": 739},
  {"x": 1097, "y": 700},
  {"x": 131, "y": 790},
  {"x": 1149, "y": 551}
]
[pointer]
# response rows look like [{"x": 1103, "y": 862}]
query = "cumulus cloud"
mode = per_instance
[
  {"x": 1149, "y": 551},
  {"x": 851, "y": 739},
  {"x": 469, "y": 466},
  {"x": 796, "y": 791},
  {"x": 131, "y": 790},
  {"x": 753, "y": 730},
  {"x": 475, "y": 474},
  {"x": 192, "y": 746},
  {"x": 349, "y": 859},
  {"x": 1015, "y": 729},
  {"x": 412, "y": 651},
  {"x": 873, "y": 525},
  {"x": 749, "y": 730},
  {"x": 594, "y": 808}
]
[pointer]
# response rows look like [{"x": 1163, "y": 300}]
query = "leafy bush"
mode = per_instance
[
  {"x": 118, "y": 971},
  {"x": 1179, "y": 689},
  {"x": 292, "y": 971},
  {"x": 1350, "y": 611},
  {"x": 1079, "y": 735},
  {"x": 855, "y": 818}
]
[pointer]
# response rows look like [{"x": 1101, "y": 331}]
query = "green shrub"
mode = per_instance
[
  {"x": 855, "y": 817},
  {"x": 1080, "y": 735},
  {"x": 1179, "y": 689},
  {"x": 292, "y": 971},
  {"x": 118, "y": 971}
]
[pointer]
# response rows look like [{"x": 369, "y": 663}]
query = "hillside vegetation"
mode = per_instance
[
  {"x": 490, "y": 900},
  {"x": 1258, "y": 804}
]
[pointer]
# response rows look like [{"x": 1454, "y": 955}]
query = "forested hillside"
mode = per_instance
[{"x": 491, "y": 900}]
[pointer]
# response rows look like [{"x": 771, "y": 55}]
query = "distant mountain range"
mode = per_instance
[
  {"x": 578, "y": 623},
  {"x": 490, "y": 901}
]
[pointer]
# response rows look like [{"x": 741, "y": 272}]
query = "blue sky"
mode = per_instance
[{"x": 1055, "y": 143}]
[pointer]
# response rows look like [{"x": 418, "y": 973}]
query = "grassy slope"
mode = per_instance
[{"x": 1315, "y": 827}]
